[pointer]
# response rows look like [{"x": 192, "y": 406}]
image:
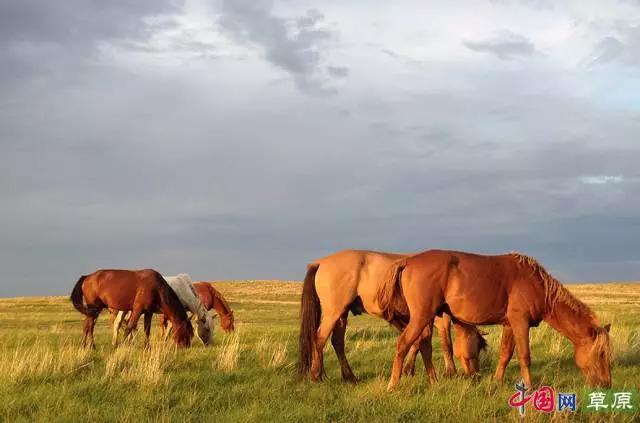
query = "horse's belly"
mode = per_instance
[
  {"x": 473, "y": 310},
  {"x": 371, "y": 306}
]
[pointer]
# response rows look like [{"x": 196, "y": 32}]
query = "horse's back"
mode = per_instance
[
  {"x": 118, "y": 288},
  {"x": 475, "y": 287},
  {"x": 347, "y": 274}
]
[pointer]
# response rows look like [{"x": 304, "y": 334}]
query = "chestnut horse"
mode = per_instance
[
  {"x": 210, "y": 298},
  {"x": 141, "y": 291},
  {"x": 511, "y": 289},
  {"x": 349, "y": 281},
  {"x": 183, "y": 287}
]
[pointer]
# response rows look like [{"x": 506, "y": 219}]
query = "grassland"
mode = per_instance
[{"x": 250, "y": 375}]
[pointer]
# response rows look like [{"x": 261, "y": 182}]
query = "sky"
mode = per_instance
[{"x": 242, "y": 139}]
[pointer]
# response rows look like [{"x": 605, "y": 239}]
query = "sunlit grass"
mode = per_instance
[{"x": 250, "y": 375}]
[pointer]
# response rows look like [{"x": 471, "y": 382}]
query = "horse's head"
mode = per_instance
[
  {"x": 205, "y": 328},
  {"x": 593, "y": 357},
  {"x": 226, "y": 322},
  {"x": 182, "y": 333}
]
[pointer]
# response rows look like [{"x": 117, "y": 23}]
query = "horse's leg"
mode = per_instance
[
  {"x": 132, "y": 323},
  {"x": 473, "y": 367},
  {"x": 427, "y": 353},
  {"x": 92, "y": 325},
  {"x": 325, "y": 329},
  {"x": 117, "y": 323},
  {"x": 410, "y": 367},
  {"x": 85, "y": 330},
  {"x": 163, "y": 326},
  {"x": 507, "y": 345},
  {"x": 147, "y": 328},
  {"x": 521, "y": 336},
  {"x": 443, "y": 325},
  {"x": 409, "y": 336},
  {"x": 337, "y": 340},
  {"x": 169, "y": 330}
]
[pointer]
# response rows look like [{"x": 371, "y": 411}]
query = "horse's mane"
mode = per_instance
[
  {"x": 220, "y": 298},
  {"x": 170, "y": 298},
  {"x": 554, "y": 291}
]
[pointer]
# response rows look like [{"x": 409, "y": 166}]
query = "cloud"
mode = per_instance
[
  {"x": 338, "y": 71},
  {"x": 601, "y": 180},
  {"x": 621, "y": 46},
  {"x": 126, "y": 146},
  {"x": 294, "y": 45},
  {"x": 505, "y": 45},
  {"x": 76, "y": 22},
  {"x": 51, "y": 40}
]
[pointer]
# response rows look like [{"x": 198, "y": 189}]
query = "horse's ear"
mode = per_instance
[{"x": 607, "y": 327}]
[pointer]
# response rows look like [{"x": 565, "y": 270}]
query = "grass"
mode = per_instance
[{"x": 250, "y": 375}]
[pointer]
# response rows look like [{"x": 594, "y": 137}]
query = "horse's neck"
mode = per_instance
[
  {"x": 575, "y": 324},
  {"x": 169, "y": 312},
  {"x": 219, "y": 305}
]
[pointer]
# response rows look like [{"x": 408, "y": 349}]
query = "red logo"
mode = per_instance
[{"x": 543, "y": 399}]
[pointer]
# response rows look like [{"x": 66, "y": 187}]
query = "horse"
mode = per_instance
[
  {"x": 349, "y": 281},
  {"x": 211, "y": 298},
  {"x": 510, "y": 289},
  {"x": 141, "y": 291},
  {"x": 467, "y": 345},
  {"x": 184, "y": 289}
]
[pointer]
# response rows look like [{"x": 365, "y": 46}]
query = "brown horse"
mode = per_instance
[
  {"x": 467, "y": 346},
  {"x": 349, "y": 281},
  {"x": 512, "y": 289},
  {"x": 141, "y": 291},
  {"x": 211, "y": 298}
]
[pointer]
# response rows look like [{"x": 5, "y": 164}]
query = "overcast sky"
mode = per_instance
[{"x": 244, "y": 138}]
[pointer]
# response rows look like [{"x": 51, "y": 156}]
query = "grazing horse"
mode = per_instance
[
  {"x": 349, "y": 281},
  {"x": 141, "y": 291},
  {"x": 468, "y": 344},
  {"x": 184, "y": 289},
  {"x": 212, "y": 298},
  {"x": 511, "y": 289}
]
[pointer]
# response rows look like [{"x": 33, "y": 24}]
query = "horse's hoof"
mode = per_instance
[
  {"x": 350, "y": 379},
  {"x": 449, "y": 373}
]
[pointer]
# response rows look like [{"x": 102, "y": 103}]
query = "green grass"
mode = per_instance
[{"x": 250, "y": 375}]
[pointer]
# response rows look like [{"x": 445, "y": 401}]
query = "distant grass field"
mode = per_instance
[{"x": 250, "y": 375}]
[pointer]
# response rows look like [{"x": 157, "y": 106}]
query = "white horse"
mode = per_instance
[{"x": 183, "y": 287}]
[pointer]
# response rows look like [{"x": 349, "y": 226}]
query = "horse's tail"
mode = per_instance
[
  {"x": 310, "y": 312},
  {"x": 77, "y": 297},
  {"x": 388, "y": 288},
  {"x": 182, "y": 329}
]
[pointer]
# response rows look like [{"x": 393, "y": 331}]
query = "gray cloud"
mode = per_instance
[
  {"x": 294, "y": 46},
  {"x": 505, "y": 45},
  {"x": 211, "y": 168},
  {"x": 76, "y": 22},
  {"x": 622, "y": 47},
  {"x": 51, "y": 40},
  {"x": 607, "y": 50},
  {"x": 338, "y": 71}
]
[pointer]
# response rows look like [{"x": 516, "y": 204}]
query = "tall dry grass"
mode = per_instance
[
  {"x": 271, "y": 354},
  {"x": 42, "y": 360},
  {"x": 229, "y": 353},
  {"x": 146, "y": 367}
]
